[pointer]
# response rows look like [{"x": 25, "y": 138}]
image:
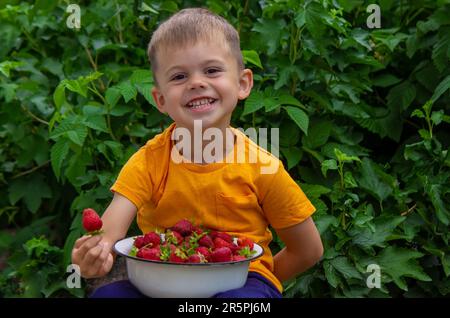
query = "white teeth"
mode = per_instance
[{"x": 200, "y": 102}]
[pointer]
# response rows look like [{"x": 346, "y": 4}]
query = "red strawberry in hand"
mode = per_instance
[{"x": 92, "y": 222}]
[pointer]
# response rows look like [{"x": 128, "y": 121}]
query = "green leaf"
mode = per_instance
[
  {"x": 343, "y": 157},
  {"x": 58, "y": 154},
  {"x": 78, "y": 135},
  {"x": 120, "y": 110},
  {"x": 72, "y": 127},
  {"x": 437, "y": 117},
  {"x": 343, "y": 265},
  {"x": 443, "y": 86},
  {"x": 326, "y": 165},
  {"x": 9, "y": 91},
  {"x": 286, "y": 99},
  {"x": 7, "y": 66},
  {"x": 434, "y": 192},
  {"x": 138, "y": 130},
  {"x": 76, "y": 86},
  {"x": 384, "y": 227},
  {"x": 31, "y": 189},
  {"x": 116, "y": 147},
  {"x": 401, "y": 96},
  {"x": 96, "y": 122},
  {"x": 374, "y": 180},
  {"x": 399, "y": 263},
  {"x": 145, "y": 89},
  {"x": 299, "y": 117},
  {"x": 314, "y": 190},
  {"x": 170, "y": 6},
  {"x": 440, "y": 48},
  {"x": 446, "y": 264},
  {"x": 80, "y": 85},
  {"x": 141, "y": 76},
  {"x": 389, "y": 37},
  {"x": 253, "y": 103},
  {"x": 271, "y": 31},
  {"x": 127, "y": 90},
  {"x": 293, "y": 156},
  {"x": 418, "y": 113},
  {"x": 112, "y": 95},
  {"x": 385, "y": 80},
  {"x": 252, "y": 57},
  {"x": 145, "y": 7},
  {"x": 323, "y": 222},
  {"x": 286, "y": 73},
  {"x": 315, "y": 15},
  {"x": 330, "y": 274},
  {"x": 77, "y": 167},
  {"x": 59, "y": 96},
  {"x": 318, "y": 134}
]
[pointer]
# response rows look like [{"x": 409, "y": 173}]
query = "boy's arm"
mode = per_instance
[
  {"x": 94, "y": 254},
  {"x": 303, "y": 249},
  {"x": 117, "y": 218}
]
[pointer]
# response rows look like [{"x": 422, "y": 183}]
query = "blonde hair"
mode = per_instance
[{"x": 189, "y": 26}]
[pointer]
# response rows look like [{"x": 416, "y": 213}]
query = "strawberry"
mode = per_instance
[
  {"x": 198, "y": 230},
  {"x": 239, "y": 258},
  {"x": 139, "y": 242},
  {"x": 91, "y": 221},
  {"x": 197, "y": 258},
  {"x": 177, "y": 256},
  {"x": 218, "y": 242},
  {"x": 184, "y": 227},
  {"x": 206, "y": 241},
  {"x": 245, "y": 241},
  {"x": 174, "y": 237},
  {"x": 224, "y": 236},
  {"x": 152, "y": 239},
  {"x": 153, "y": 254},
  {"x": 221, "y": 254},
  {"x": 204, "y": 251}
]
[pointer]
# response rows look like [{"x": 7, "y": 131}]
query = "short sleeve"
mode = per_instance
[
  {"x": 284, "y": 202},
  {"x": 134, "y": 180}
]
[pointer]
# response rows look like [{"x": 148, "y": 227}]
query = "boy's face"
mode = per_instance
[{"x": 200, "y": 82}]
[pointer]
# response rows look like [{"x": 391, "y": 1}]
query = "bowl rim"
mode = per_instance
[{"x": 250, "y": 259}]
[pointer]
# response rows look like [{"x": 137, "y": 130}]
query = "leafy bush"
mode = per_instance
[{"x": 363, "y": 118}]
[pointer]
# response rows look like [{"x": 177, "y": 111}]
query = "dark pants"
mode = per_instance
[{"x": 256, "y": 287}]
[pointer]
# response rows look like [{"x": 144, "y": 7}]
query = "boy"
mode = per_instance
[{"x": 199, "y": 77}]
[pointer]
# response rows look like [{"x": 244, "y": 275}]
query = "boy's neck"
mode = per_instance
[{"x": 200, "y": 147}]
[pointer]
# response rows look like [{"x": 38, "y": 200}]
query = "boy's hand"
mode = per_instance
[{"x": 93, "y": 256}]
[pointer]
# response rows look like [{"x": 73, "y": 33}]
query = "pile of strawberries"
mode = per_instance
[{"x": 186, "y": 243}]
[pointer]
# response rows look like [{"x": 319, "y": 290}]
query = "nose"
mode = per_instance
[{"x": 196, "y": 81}]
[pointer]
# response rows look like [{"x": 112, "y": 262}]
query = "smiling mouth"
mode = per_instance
[{"x": 199, "y": 103}]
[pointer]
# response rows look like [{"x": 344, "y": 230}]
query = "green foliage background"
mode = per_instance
[{"x": 363, "y": 117}]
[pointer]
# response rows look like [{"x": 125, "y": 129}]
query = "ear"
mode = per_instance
[
  {"x": 159, "y": 99},
  {"x": 245, "y": 83}
]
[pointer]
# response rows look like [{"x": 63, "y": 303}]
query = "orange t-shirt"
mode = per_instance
[{"x": 231, "y": 197}]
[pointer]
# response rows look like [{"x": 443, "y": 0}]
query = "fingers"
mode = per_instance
[
  {"x": 101, "y": 258},
  {"x": 81, "y": 240},
  {"x": 108, "y": 264},
  {"x": 78, "y": 252},
  {"x": 89, "y": 244},
  {"x": 89, "y": 253}
]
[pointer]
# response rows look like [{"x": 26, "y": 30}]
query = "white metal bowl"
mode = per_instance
[{"x": 178, "y": 280}]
